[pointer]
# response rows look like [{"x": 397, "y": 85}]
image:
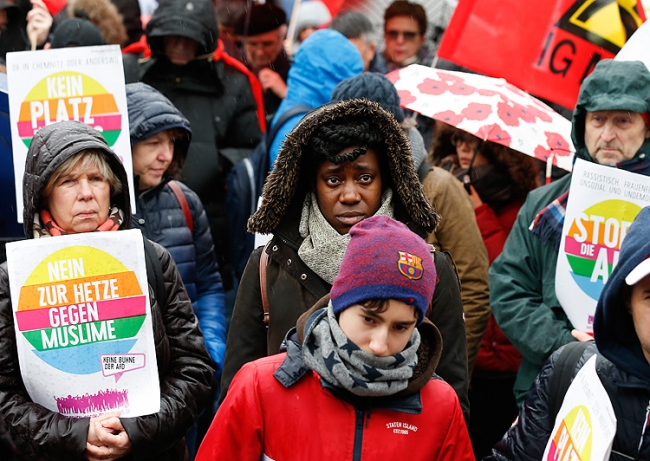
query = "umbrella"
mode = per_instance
[{"x": 489, "y": 108}]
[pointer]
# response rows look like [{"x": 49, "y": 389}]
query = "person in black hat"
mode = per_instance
[
  {"x": 263, "y": 30},
  {"x": 75, "y": 32},
  {"x": 13, "y": 36}
]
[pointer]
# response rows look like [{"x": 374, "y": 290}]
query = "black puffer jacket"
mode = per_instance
[
  {"x": 214, "y": 96},
  {"x": 630, "y": 397},
  {"x": 184, "y": 366},
  {"x": 293, "y": 287}
]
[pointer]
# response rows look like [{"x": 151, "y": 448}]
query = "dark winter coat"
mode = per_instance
[
  {"x": 528, "y": 311},
  {"x": 160, "y": 218},
  {"x": 293, "y": 287},
  {"x": 214, "y": 96},
  {"x": 184, "y": 366},
  {"x": 621, "y": 365}
]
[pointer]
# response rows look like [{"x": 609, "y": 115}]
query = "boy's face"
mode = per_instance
[
  {"x": 639, "y": 307},
  {"x": 379, "y": 333}
]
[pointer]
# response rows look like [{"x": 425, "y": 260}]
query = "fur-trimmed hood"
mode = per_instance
[{"x": 285, "y": 188}]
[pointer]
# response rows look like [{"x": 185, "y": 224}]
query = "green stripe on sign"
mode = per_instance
[{"x": 84, "y": 333}]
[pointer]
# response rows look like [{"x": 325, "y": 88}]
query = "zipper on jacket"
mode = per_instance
[
  {"x": 645, "y": 426},
  {"x": 358, "y": 434}
]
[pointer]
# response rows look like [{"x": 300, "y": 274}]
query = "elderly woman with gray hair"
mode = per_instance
[{"x": 74, "y": 183}]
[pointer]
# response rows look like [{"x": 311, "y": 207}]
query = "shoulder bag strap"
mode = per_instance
[
  {"x": 563, "y": 375},
  {"x": 264, "y": 261},
  {"x": 180, "y": 196}
]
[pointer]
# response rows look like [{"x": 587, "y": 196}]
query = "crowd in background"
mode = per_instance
[{"x": 213, "y": 85}]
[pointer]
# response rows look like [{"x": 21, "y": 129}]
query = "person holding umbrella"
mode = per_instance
[{"x": 498, "y": 180}]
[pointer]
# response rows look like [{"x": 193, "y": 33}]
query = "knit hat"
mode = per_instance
[
  {"x": 76, "y": 32},
  {"x": 312, "y": 14},
  {"x": 261, "y": 19},
  {"x": 372, "y": 86},
  {"x": 385, "y": 260}
]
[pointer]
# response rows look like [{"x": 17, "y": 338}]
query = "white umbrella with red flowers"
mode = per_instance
[{"x": 489, "y": 108}]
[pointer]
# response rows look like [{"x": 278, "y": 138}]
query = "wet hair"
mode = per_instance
[
  {"x": 404, "y": 8},
  {"x": 180, "y": 138},
  {"x": 85, "y": 160},
  {"x": 353, "y": 24},
  {"x": 521, "y": 168},
  {"x": 331, "y": 138},
  {"x": 378, "y": 306}
]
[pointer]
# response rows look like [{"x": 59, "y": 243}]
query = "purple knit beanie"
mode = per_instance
[{"x": 385, "y": 260}]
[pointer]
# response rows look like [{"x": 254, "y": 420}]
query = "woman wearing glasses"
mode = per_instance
[{"x": 405, "y": 24}]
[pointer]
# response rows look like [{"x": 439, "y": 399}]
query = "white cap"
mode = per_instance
[{"x": 640, "y": 271}]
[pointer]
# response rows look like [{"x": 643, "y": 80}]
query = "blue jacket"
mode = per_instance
[
  {"x": 160, "y": 218},
  {"x": 324, "y": 60}
]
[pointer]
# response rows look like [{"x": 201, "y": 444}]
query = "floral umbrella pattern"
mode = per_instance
[{"x": 489, "y": 108}]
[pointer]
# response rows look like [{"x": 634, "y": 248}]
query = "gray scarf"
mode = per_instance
[
  {"x": 340, "y": 362},
  {"x": 323, "y": 247}
]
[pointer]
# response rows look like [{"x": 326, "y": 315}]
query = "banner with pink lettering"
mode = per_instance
[
  {"x": 602, "y": 204},
  {"x": 84, "y": 331},
  {"x": 50, "y": 86}
]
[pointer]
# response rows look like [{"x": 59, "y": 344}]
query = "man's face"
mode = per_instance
[
  {"x": 180, "y": 50},
  {"x": 639, "y": 308},
  {"x": 613, "y": 136},
  {"x": 366, "y": 49},
  {"x": 263, "y": 49},
  {"x": 3, "y": 19},
  {"x": 403, "y": 38}
]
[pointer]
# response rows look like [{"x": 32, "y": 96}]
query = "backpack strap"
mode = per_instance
[
  {"x": 264, "y": 261},
  {"x": 180, "y": 196},
  {"x": 155, "y": 273},
  {"x": 432, "y": 250},
  {"x": 563, "y": 374}
]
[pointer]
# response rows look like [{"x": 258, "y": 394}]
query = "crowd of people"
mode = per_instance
[{"x": 403, "y": 301}]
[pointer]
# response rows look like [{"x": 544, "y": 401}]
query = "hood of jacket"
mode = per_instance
[
  {"x": 193, "y": 19},
  {"x": 613, "y": 85},
  {"x": 428, "y": 352},
  {"x": 324, "y": 60},
  {"x": 51, "y": 146},
  {"x": 150, "y": 112},
  {"x": 614, "y": 330},
  {"x": 287, "y": 186}
]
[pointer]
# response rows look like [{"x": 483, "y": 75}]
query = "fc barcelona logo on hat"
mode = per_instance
[{"x": 410, "y": 265}]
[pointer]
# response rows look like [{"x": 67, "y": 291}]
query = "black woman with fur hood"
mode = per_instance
[
  {"x": 622, "y": 334},
  {"x": 74, "y": 183},
  {"x": 342, "y": 163}
]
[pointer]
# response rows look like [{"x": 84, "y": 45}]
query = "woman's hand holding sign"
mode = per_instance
[{"x": 107, "y": 439}]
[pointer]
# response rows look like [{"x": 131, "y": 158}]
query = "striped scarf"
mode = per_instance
[{"x": 548, "y": 223}]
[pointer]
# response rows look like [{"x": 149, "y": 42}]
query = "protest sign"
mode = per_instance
[
  {"x": 84, "y": 84},
  {"x": 585, "y": 425},
  {"x": 636, "y": 48},
  {"x": 603, "y": 202},
  {"x": 83, "y": 322}
]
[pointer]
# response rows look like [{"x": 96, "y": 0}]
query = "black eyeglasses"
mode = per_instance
[{"x": 409, "y": 36}]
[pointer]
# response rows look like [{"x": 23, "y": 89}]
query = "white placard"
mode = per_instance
[
  {"x": 84, "y": 331},
  {"x": 585, "y": 426},
  {"x": 636, "y": 48},
  {"x": 84, "y": 84},
  {"x": 603, "y": 202}
]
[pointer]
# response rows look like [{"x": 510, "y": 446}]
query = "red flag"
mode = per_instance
[{"x": 546, "y": 48}]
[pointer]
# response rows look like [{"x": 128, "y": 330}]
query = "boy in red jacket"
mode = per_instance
[{"x": 357, "y": 380}]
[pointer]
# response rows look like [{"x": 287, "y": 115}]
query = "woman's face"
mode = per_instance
[
  {"x": 350, "y": 192},
  {"x": 465, "y": 151},
  {"x": 80, "y": 200},
  {"x": 152, "y": 157}
]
